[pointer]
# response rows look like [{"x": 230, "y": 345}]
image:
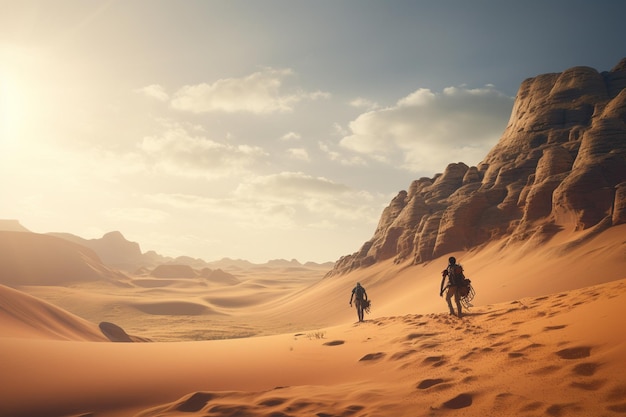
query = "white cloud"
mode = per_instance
[
  {"x": 284, "y": 201},
  {"x": 425, "y": 131},
  {"x": 258, "y": 93},
  {"x": 298, "y": 153},
  {"x": 154, "y": 91},
  {"x": 290, "y": 186},
  {"x": 363, "y": 103},
  {"x": 310, "y": 198},
  {"x": 346, "y": 160},
  {"x": 177, "y": 152},
  {"x": 291, "y": 136}
]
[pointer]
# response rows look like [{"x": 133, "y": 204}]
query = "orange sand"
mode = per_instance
[{"x": 542, "y": 339}]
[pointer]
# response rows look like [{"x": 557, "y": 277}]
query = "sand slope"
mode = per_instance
[
  {"x": 561, "y": 354},
  {"x": 543, "y": 338},
  {"x": 25, "y": 316}
]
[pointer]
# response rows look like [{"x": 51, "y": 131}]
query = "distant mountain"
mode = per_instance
[
  {"x": 12, "y": 226},
  {"x": 112, "y": 248},
  {"x": 116, "y": 251},
  {"x": 173, "y": 271},
  {"x": 560, "y": 163},
  {"x": 38, "y": 259}
]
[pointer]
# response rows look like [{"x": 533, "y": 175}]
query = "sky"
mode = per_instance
[{"x": 260, "y": 130}]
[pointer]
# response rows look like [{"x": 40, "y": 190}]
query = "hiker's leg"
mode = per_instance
[
  {"x": 451, "y": 291},
  {"x": 360, "y": 310},
  {"x": 457, "y": 300}
]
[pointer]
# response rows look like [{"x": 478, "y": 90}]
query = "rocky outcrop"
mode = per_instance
[
  {"x": 561, "y": 160},
  {"x": 112, "y": 248}
]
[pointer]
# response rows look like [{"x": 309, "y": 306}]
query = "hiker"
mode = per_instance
[
  {"x": 360, "y": 296},
  {"x": 454, "y": 273}
]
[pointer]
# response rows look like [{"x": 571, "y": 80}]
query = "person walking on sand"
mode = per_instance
[
  {"x": 455, "y": 278},
  {"x": 360, "y": 296}
]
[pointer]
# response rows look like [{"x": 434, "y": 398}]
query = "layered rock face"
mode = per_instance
[{"x": 561, "y": 160}]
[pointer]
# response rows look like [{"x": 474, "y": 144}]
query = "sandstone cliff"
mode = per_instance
[{"x": 561, "y": 160}]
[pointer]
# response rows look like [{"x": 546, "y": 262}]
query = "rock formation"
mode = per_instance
[
  {"x": 561, "y": 160},
  {"x": 112, "y": 248}
]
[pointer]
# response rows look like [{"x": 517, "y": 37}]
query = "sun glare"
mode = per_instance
[{"x": 13, "y": 110}]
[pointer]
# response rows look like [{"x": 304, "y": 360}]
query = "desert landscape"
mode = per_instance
[
  {"x": 539, "y": 227},
  {"x": 535, "y": 343}
]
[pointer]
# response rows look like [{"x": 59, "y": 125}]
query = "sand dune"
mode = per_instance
[
  {"x": 558, "y": 354},
  {"x": 543, "y": 338},
  {"x": 25, "y": 316}
]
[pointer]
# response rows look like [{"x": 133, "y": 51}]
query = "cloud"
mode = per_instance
[
  {"x": 154, "y": 91},
  {"x": 179, "y": 153},
  {"x": 283, "y": 201},
  {"x": 310, "y": 199},
  {"x": 258, "y": 93},
  {"x": 341, "y": 157},
  {"x": 298, "y": 153},
  {"x": 291, "y": 136},
  {"x": 291, "y": 186},
  {"x": 425, "y": 131},
  {"x": 363, "y": 103}
]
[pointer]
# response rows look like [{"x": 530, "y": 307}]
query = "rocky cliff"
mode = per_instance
[{"x": 560, "y": 161}]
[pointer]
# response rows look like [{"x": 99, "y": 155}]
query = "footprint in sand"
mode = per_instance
[
  {"x": 560, "y": 409},
  {"x": 334, "y": 343},
  {"x": 435, "y": 361},
  {"x": 460, "y": 401},
  {"x": 546, "y": 370},
  {"x": 427, "y": 383},
  {"x": 559, "y": 327},
  {"x": 401, "y": 355},
  {"x": 414, "y": 336},
  {"x": 373, "y": 356},
  {"x": 589, "y": 385},
  {"x": 533, "y": 406},
  {"x": 618, "y": 408},
  {"x": 617, "y": 394},
  {"x": 578, "y": 352},
  {"x": 586, "y": 369}
]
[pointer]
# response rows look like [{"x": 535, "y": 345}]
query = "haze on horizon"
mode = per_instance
[{"x": 262, "y": 130}]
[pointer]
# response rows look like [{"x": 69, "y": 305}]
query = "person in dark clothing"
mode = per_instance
[
  {"x": 455, "y": 277},
  {"x": 360, "y": 296}
]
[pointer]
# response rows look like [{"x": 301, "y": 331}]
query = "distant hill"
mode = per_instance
[
  {"x": 560, "y": 164},
  {"x": 12, "y": 226},
  {"x": 38, "y": 259},
  {"x": 112, "y": 248},
  {"x": 115, "y": 251}
]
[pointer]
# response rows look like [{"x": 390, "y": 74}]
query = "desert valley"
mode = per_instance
[{"x": 98, "y": 328}]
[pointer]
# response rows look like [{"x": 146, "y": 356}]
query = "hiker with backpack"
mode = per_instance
[
  {"x": 455, "y": 282},
  {"x": 360, "y": 299}
]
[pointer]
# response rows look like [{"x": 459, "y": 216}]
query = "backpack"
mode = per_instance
[
  {"x": 359, "y": 292},
  {"x": 455, "y": 275}
]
